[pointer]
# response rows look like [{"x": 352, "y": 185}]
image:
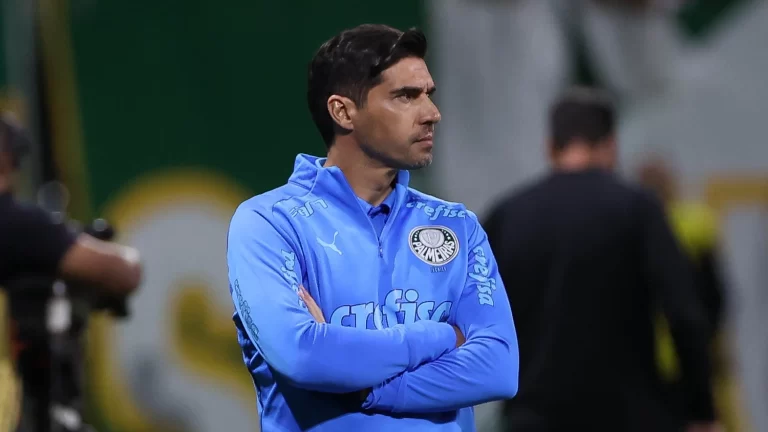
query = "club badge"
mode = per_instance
[{"x": 435, "y": 245}]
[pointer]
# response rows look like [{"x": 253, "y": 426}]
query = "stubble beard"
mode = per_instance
[{"x": 394, "y": 163}]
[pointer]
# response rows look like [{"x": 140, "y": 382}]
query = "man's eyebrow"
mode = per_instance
[{"x": 413, "y": 90}]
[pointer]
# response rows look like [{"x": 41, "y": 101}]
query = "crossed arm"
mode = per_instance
[{"x": 414, "y": 368}]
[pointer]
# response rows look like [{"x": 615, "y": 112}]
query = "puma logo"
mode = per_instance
[{"x": 331, "y": 246}]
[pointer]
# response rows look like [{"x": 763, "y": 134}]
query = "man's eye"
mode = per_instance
[{"x": 404, "y": 98}]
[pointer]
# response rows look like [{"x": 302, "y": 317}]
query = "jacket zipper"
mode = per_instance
[{"x": 387, "y": 225}]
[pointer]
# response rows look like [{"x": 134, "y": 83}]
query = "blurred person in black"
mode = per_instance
[
  {"x": 586, "y": 258},
  {"x": 35, "y": 250},
  {"x": 696, "y": 228},
  {"x": 32, "y": 242}
]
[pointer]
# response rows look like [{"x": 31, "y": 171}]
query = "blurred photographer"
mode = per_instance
[
  {"x": 33, "y": 242},
  {"x": 55, "y": 274}
]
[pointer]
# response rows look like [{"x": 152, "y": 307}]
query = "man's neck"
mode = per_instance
[
  {"x": 577, "y": 159},
  {"x": 369, "y": 179}
]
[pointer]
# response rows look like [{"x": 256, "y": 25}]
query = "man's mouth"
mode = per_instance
[{"x": 427, "y": 138}]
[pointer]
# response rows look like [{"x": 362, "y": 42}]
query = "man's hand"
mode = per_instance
[
  {"x": 314, "y": 309},
  {"x": 460, "y": 339}
]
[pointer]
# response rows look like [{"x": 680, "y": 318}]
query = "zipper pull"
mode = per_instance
[{"x": 381, "y": 250}]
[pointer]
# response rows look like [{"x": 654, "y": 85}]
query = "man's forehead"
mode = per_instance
[{"x": 408, "y": 72}]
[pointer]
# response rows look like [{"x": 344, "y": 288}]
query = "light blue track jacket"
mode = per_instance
[{"x": 388, "y": 300}]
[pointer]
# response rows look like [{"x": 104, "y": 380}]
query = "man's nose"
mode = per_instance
[{"x": 432, "y": 114}]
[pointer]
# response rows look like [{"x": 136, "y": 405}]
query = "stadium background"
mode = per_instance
[{"x": 163, "y": 116}]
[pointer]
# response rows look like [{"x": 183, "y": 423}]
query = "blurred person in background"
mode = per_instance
[
  {"x": 586, "y": 258},
  {"x": 33, "y": 244},
  {"x": 696, "y": 228},
  {"x": 418, "y": 329}
]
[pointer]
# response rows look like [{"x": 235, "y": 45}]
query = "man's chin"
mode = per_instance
[
  {"x": 415, "y": 162},
  {"x": 423, "y": 163}
]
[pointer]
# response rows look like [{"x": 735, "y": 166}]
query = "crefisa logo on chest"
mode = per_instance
[{"x": 435, "y": 245}]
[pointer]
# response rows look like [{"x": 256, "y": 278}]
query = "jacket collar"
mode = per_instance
[{"x": 330, "y": 182}]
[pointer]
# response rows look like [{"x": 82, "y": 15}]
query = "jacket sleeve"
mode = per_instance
[
  {"x": 265, "y": 270},
  {"x": 483, "y": 369},
  {"x": 34, "y": 241}
]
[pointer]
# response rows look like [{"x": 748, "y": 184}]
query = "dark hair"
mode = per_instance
[
  {"x": 581, "y": 113},
  {"x": 350, "y": 65}
]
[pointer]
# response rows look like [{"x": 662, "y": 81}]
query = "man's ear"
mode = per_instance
[{"x": 342, "y": 111}]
